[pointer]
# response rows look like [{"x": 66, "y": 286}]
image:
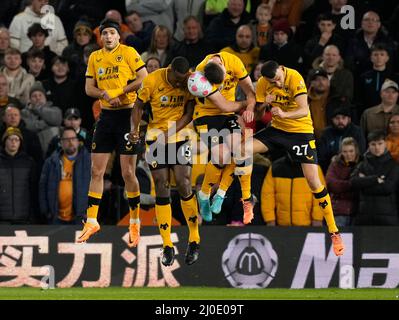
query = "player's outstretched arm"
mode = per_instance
[
  {"x": 248, "y": 88},
  {"x": 225, "y": 105},
  {"x": 135, "y": 85},
  {"x": 135, "y": 118}
]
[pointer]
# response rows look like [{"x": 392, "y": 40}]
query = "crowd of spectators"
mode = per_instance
[{"x": 350, "y": 64}]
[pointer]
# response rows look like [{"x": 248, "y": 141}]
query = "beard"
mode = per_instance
[{"x": 70, "y": 151}]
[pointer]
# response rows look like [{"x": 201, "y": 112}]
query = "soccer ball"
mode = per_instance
[{"x": 198, "y": 85}]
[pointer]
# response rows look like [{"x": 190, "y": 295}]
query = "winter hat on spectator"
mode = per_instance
[
  {"x": 318, "y": 72},
  {"x": 72, "y": 113},
  {"x": 37, "y": 86},
  {"x": 344, "y": 111},
  {"x": 11, "y": 131},
  {"x": 109, "y": 23},
  {"x": 84, "y": 26},
  {"x": 282, "y": 26},
  {"x": 388, "y": 83}
]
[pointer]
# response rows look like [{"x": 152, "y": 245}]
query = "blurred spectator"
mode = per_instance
[
  {"x": 338, "y": 181},
  {"x": 286, "y": 199},
  {"x": 286, "y": 10},
  {"x": 335, "y": 11},
  {"x": 160, "y": 46},
  {"x": 158, "y": 11},
  {"x": 244, "y": 49},
  {"x": 72, "y": 119},
  {"x": 358, "y": 50},
  {"x": 261, "y": 27},
  {"x": 152, "y": 64},
  {"x": 38, "y": 37},
  {"x": 82, "y": 36},
  {"x": 31, "y": 145},
  {"x": 19, "y": 80},
  {"x": 377, "y": 117},
  {"x": 34, "y": 14},
  {"x": 370, "y": 82},
  {"x": 60, "y": 87},
  {"x": 36, "y": 64},
  {"x": 4, "y": 43},
  {"x": 41, "y": 116},
  {"x": 18, "y": 181},
  {"x": 325, "y": 36},
  {"x": 71, "y": 11},
  {"x": 332, "y": 136},
  {"x": 116, "y": 16},
  {"x": 83, "y": 101},
  {"x": 221, "y": 31},
  {"x": 141, "y": 31},
  {"x": 183, "y": 9},
  {"x": 64, "y": 182},
  {"x": 392, "y": 138},
  {"x": 193, "y": 47},
  {"x": 318, "y": 93},
  {"x": 341, "y": 79},
  {"x": 282, "y": 49},
  {"x": 376, "y": 179},
  {"x": 5, "y": 99}
]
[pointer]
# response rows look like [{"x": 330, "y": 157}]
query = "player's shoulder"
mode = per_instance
[
  {"x": 128, "y": 49},
  {"x": 293, "y": 73}
]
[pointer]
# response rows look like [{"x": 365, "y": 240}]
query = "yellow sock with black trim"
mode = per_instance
[
  {"x": 243, "y": 171},
  {"x": 322, "y": 196},
  {"x": 227, "y": 177},
  {"x": 189, "y": 206},
  {"x": 134, "y": 206},
  {"x": 212, "y": 176},
  {"x": 93, "y": 204},
  {"x": 163, "y": 212}
]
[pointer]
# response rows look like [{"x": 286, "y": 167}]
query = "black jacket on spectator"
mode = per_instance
[
  {"x": 18, "y": 189},
  {"x": 61, "y": 94},
  {"x": 314, "y": 50},
  {"x": 193, "y": 52},
  {"x": 369, "y": 87},
  {"x": 31, "y": 145},
  {"x": 357, "y": 55},
  {"x": 330, "y": 140},
  {"x": 289, "y": 55},
  {"x": 141, "y": 40},
  {"x": 377, "y": 201},
  {"x": 221, "y": 31}
]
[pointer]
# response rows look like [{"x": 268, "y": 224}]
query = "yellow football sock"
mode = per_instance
[
  {"x": 163, "y": 211},
  {"x": 245, "y": 182},
  {"x": 322, "y": 196},
  {"x": 134, "y": 204},
  {"x": 189, "y": 206},
  {"x": 227, "y": 177},
  {"x": 93, "y": 204},
  {"x": 212, "y": 176}
]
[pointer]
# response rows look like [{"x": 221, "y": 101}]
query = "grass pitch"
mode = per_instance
[{"x": 195, "y": 293}]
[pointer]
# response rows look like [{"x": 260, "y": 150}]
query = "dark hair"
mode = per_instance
[
  {"x": 214, "y": 73},
  {"x": 180, "y": 64},
  {"x": 35, "y": 53},
  {"x": 109, "y": 23},
  {"x": 36, "y": 28},
  {"x": 59, "y": 59},
  {"x": 67, "y": 129},
  {"x": 269, "y": 69},
  {"x": 376, "y": 135},
  {"x": 325, "y": 17},
  {"x": 379, "y": 47},
  {"x": 132, "y": 12}
]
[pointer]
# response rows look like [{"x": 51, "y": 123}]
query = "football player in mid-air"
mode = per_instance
[
  {"x": 113, "y": 75},
  {"x": 284, "y": 90},
  {"x": 171, "y": 109}
]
